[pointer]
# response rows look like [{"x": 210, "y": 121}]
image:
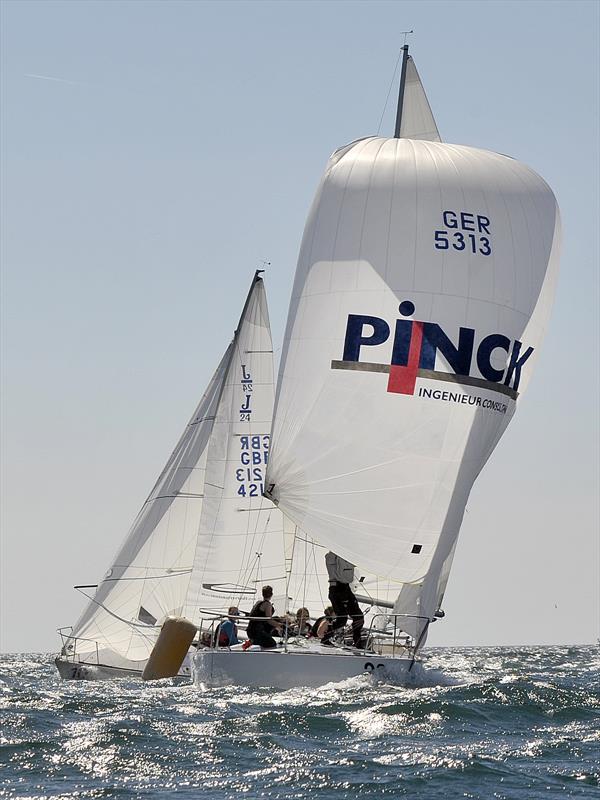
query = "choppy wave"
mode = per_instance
[{"x": 505, "y": 723}]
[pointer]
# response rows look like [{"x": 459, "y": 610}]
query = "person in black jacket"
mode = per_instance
[
  {"x": 260, "y": 631},
  {"x": 341, "y": 575}
]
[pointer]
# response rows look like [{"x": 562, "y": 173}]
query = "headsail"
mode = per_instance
[
  {"x": 149, "y": 576},
  {"x": 423, "y": 287},
  {"x": 172, "y": 534}
]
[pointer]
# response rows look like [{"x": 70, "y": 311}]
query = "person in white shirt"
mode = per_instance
[{"x": 341, "y": 575}]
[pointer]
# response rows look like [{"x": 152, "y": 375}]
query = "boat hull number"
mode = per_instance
[{"x": 370, "y": 667}]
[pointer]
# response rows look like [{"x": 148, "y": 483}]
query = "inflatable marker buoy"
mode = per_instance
[{"x": 171, "y": 647}]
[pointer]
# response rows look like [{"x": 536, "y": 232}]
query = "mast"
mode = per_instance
[
  {"x": 255, "y": 280},
  {"x": 401, "y": 91}
]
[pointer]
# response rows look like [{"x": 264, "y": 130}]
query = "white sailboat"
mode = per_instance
[
  {"x": 205, "y": 537},
  {"x": 423, "y": 288}
]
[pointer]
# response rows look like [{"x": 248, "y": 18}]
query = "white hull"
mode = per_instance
[
  {"x": 296, "y": 667},
  {"x": 77, "y": 671}
]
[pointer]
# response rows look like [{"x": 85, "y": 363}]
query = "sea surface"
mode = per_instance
[{"x": 483, "y": 723}]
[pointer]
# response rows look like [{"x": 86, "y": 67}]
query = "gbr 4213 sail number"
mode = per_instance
[{"x": 464, "y": 231}]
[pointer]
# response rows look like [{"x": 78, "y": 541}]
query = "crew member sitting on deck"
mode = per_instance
[
  {"x": 341, "y": 575},
  {"x": 260, "y": 630},
  {"x": 322, "y": 625},
  {"x": 302, "y": 625},
  {"x": 226, "y": 633}
]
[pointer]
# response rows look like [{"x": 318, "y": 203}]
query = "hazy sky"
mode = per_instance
[{"x": 154, "y": 153}]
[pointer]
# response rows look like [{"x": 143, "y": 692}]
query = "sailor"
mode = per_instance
[
  {"x": 302, "y": 625},
  {"x": 322, "y": 625},
  {"x": 341, "y": 575},
  {"x": 226, "y": 633},
  {"x": 259, "y": 631}
]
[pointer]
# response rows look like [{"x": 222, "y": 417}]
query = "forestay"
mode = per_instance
[{"x": 422, "y": 291}]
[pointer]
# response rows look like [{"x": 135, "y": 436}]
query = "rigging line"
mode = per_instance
[
  {"x": 314, "y": 557},
  {"x": 245, "y": 572},
  {"x": 289, "y": 572},
  {"x": 249, "y": 570},
  {"x": 312, "y": 541},
  {"x": 305, "y": 586},
  {"x": 116, "y": 616},
  {"x": 251, "y": 543},
  {"x": 389, "y": 90}
]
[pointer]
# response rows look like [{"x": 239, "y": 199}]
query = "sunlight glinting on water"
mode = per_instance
[{"x": 512, "y": 723}]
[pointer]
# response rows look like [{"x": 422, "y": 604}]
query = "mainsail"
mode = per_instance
[
  {"x": 422, "y": 291},
  {"x": 417, "y": 120},
  {"x": 196, "y": 539},
  {"x": 240, "y": 543}
]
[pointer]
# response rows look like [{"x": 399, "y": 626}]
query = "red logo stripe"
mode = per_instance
[{"x": 402, "y": 379}]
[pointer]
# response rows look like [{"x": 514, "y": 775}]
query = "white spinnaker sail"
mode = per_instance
[
  {"x": 422, "y": 291},
  {"x": 150, "y": 576},
  {"x": 416, "y": 599},
  {"x": 417, "y": 119}
]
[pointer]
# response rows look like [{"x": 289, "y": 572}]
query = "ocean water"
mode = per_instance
[{"x": 485, "y": 723}]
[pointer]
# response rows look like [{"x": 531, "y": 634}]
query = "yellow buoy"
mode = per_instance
[{"x": 167, "y": 655}]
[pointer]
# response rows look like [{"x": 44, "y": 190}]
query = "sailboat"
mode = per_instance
[
  {"x": 422, "y": 292},
  {"x": 423, "y": 288},
  {"x": 205, "y": 538}
]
